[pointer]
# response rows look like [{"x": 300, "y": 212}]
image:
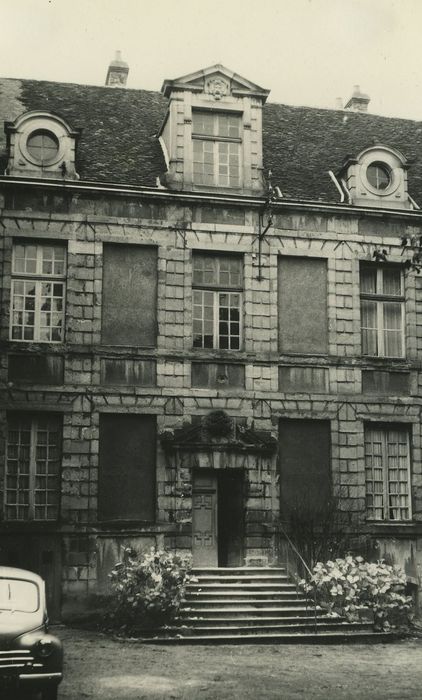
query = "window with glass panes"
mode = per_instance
[
  {"x": 382, "y": 310},
  {"x": 38, "y": 292},
  {"x": 387, "y": 473},
  {"x": 217, "y": 301},
  {"x": 32, "y": 478},
  {"x": 216, "y": 148},
  {"x": 42, "y": 145}
]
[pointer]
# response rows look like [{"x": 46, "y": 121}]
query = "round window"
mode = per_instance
[
  {"x": 379, "y": 175},
  {"x": 42, "y": 145}
]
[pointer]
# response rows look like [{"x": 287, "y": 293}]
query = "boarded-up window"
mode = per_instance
[
  {"x": 302, "y": 305},
  {"x": 128, "y": 372},
  {"x": 303, "y": 379},
  {"x": 129, "y": 295},
  {"x": 305, "y": 473},
  {"x": 35, "y": 369},
  {"x": 213, "y": 375},
  {"x": 384, "y": 382},
  {"x": 126, "y": 479}
]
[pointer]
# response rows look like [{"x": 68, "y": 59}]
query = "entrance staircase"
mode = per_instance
[{"x": 238, "y": 605}]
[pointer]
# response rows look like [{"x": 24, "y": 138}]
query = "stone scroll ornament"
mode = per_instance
[{"x": 217, "y": 87}]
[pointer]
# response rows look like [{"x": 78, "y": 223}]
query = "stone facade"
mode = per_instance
[{"x": 85, "y": 378}]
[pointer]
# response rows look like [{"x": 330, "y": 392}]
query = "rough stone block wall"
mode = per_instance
[{"x": 89, "y": 547}]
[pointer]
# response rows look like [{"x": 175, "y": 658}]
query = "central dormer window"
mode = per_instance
[{"x": 216, "y": 148}]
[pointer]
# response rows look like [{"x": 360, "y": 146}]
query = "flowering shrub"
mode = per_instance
[
  {"x": 345, "y": 586},
  {"x": 147, "y": 589}
]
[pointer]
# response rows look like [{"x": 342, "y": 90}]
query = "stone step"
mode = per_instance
[
  {"x": 241, "y": 585},
  {"x": 262, "y": 620},
  {"x": 323, "y": 637},
  {"x": 309, "y": 626},
  {"x": 248, "y": 603},
  {"x": 270, "y": 578},
  {"x": 250, "y": 611},
  {"x": 253, "y": 600},
  {"x": 232, "y": 594},
  {"x": 222, "y": 570}
]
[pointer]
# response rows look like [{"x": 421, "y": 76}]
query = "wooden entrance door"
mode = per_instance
[
  {"x": 204, "y": 520},
  {"x": 230, "y": 518}
]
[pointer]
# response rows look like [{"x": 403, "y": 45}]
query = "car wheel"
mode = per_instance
[{"x": 49, "y": 693}]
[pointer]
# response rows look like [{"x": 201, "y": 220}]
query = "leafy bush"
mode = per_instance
[
  {"x": 345, "y": 586},
  {"x": 147, "y": 590}
]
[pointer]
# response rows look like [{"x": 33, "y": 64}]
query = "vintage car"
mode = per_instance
[{"x": 30, "y": 658}]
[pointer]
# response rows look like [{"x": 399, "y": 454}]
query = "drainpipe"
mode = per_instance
[
  {"x": 349, "y": 196},
  {"x": 336, "y": 182}
]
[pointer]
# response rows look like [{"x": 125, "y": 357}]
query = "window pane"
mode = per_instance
[
  {"x": 228, "y": 164},
  {"x": 369, "y": 327},
  {"x": 42, "y": 145},
  {"x": 203, "y": 162},
  {"x": 368, "y": 279},
  {"x": 204, "y": 269},
  {"x": 203, "y": 123},
  {"x": 392, "y": 281},
  {"x": 393, "y": 345},
  {"x": 228, "y": 125}
]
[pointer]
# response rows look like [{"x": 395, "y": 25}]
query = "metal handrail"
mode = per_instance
[{"x": 294, "y": 549}]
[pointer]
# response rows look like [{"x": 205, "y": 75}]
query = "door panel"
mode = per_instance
[
  {"x": 230, "y": 518},
  {"x": 204, "y": 520}
]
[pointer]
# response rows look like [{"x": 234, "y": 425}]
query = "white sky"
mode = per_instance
[{"x": 307, "y": 52}]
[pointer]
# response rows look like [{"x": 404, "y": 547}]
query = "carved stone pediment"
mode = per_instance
[
  {"x": 218, "y": 432},
  {"x": 217, "y": 81}
]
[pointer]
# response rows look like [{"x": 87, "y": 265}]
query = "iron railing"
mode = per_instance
[{"x": 297, "y": 568}]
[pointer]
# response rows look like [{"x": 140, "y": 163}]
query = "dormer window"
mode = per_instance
[
  {"x": 216, "y": 148},
  {"x": 377, "y": 177},
  {"x": 211, "y": 135},
  {"x": 41, "y": 145}
]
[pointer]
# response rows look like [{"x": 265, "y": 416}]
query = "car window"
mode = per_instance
[{"x": 18, "y": 595}]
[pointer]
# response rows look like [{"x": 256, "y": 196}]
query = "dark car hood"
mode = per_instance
[{"x": 14, "y": 624}]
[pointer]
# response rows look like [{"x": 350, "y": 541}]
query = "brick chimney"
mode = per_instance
[
  {"x": 358, "y": 102},
  {"x": 117, "y": 72}
]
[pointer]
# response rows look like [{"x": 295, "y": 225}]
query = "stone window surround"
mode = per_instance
[
  {"x": 390, "y": 161},
  {"x": 360, "y": 190},
  {"x": 23, "y": 128}
]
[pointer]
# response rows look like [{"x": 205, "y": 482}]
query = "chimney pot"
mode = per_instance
[
  {"x": 117, "y": 72},
  {"x": 358, "y": 102}
]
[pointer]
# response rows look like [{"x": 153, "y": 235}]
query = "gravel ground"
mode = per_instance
[{"x": 101, "y": 668}]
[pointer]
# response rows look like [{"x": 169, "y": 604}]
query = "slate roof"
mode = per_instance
[{"x": 118, "y": 142}]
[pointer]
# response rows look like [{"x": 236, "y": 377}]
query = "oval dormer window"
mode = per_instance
[
  {"x": 42, "y": 146},
  {"x": 378, "y": 175}
]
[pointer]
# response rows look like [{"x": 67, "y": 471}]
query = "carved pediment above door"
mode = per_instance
[{"x": 217, "y": 431}]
